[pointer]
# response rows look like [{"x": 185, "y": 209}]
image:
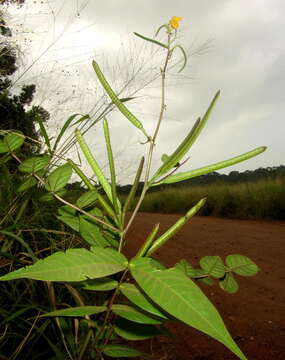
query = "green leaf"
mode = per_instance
[
  {"x": 71, "y": 221},
  {"x": 66, "y": 210},
  {"x": 101, "y": 284},
  {"x": 241, "y": 265},
  {"x": 73, "y": 265},
  {"x": 228, "y": 283},
  {"x": 186, "y": 268},
  {"x": 11, "y": 142},
  {"x": 77, "y": 311},
  {"x": 27, "y": 184},
  {"x": 135, "y": 295},
  {"x": 213, "y": 266},
  {"x": 178, "y": 295},
  {"x": 91, "y": 233},
  {"x": 118, "y": 351},
  {"x": 206, "y": 281},
  {"x": 58, "y": 178},
  {"x": 130, "y": 330},
  {"x": 132, "y": 314},
  {"x": 207, "y": 169},
  {"x": 87, "y": 199},
  {"x": 34, "y": 164}
]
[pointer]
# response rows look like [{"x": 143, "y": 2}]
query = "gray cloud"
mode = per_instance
[{"x": 245, "y": 58}]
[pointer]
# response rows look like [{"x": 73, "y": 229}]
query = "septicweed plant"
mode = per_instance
[{"x": 131, "y": 299}]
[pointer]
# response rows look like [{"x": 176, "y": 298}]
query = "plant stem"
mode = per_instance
[{"x": 152, "y": 141}]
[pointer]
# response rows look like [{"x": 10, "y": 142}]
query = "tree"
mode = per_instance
[{"x": 14, "y": 112}]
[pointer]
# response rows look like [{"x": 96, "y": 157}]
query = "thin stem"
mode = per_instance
[{"x": 152, "y": 141}]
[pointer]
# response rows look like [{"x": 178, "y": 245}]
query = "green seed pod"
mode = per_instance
[{"x": 123, "y": 109}]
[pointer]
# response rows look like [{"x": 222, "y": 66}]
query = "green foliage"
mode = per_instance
[{"x": 116, "y": 298}]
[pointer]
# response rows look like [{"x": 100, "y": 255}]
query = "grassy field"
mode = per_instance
[{"x": 252, "y": 200}]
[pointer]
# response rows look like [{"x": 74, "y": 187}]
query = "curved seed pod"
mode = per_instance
[
  {"x": 177, "y": 226},
  {"x": 184, "y": 56},
  {"x": 94, "y": 165},
  {"x": 161, "y": 27},
  {"x": 149, "y": 241},
  {"x": 116, "y": 201},
  {"x": 207, "y": 169},
  {"x": 152, "y": 40},
  {"x": 123, "y": 109}
]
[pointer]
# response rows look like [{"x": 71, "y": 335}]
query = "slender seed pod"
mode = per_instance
[
  {"x": 152, "y": 40},
  {"x": 81, "y": 175},
  {"x": 170, "y": 161},
  {"x": 116, "y": 201},
  {"x": 134, "y": 187},
  {"x": 177, "y": 226},
  {"x": 94, "y": 165},
  {"x": 184, "y": 56},
  {"x": 123, "y": 109},
  {"x": 149, "y": 241},
  {"x": 207, "y": 169}
]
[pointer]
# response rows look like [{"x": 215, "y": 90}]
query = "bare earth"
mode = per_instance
[{"x": 255, "y": 316}]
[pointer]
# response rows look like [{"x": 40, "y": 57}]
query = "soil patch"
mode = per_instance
[{"x": 255, "y": 315}]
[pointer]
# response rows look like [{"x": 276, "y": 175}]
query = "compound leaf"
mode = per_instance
[{"x": 178, "y": 295}]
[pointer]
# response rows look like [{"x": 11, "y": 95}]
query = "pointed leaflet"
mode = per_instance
[
  {"x": 50, "y": 197},
  {"x": 136, "y": 296},
  {"x": 29, "y": 182},
  {"x": 11, "y": 142},
  {"x": 91, "y": 232},
  {"x": 130, "y": 313},
  {"x": 241, "y": 265},
  {"x": 207, "y": 169},
  {"x": 182, "y": 298},
  {"x": 73, "y": 265},
  {"x": 119, "y": 351},
  {"x": 70, "y": 220},
  {"x": 77, "y": 311},
  {"x": 87, "y": 199},
  {"x": 34, "y": 164},
  {"x": 213, "y": 265},
  {"x": 58, "y": 178},
  {"x": 130, "y": 330},
  {"x": 101, "y": 284}
]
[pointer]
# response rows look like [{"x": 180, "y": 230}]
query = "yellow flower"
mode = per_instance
[{"x": 174, "y": 22}]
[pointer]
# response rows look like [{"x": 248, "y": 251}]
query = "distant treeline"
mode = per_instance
[{"x": 234, "y": 177}]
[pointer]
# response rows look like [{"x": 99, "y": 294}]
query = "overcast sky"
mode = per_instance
[{"x": 236, "y": 46}]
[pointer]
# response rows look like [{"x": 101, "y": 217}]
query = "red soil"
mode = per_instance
[{"x": 255, "y": 315}]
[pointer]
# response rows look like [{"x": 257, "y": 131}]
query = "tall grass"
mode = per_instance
[{"x": 263, "y": 199}]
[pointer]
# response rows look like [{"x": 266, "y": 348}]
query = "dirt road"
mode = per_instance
[{"x": 255, "y": 316}]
